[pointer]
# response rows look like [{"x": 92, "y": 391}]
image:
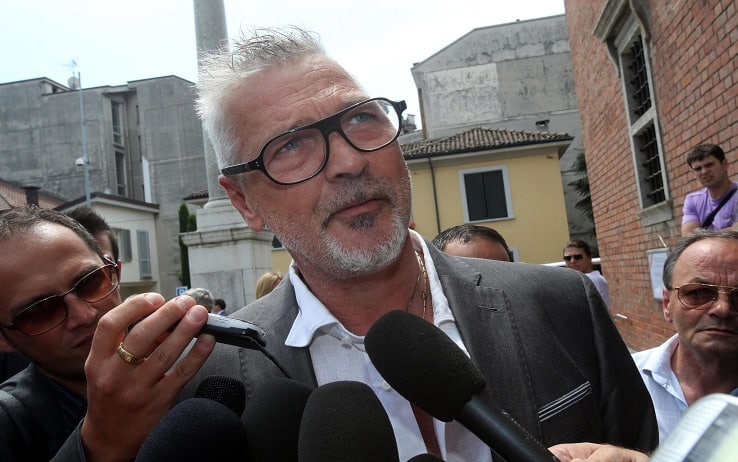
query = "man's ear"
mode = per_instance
[
  {"x": 241, "y": 202},
  {"x": 4, "y": 344},
  {"x": 665, "y": 303}
]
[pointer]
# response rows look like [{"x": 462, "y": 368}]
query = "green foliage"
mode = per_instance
[{"x": 581, "y": 186}]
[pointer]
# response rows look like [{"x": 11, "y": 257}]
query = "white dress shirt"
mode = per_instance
[
  {"x": 338, "y": 354},
  {"x": 663, "y": 385}
]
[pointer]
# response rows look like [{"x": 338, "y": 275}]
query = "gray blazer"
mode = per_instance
[{"x": 541, "y": 336}]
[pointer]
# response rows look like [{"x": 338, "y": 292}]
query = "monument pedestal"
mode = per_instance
[{"x": 226, "y": 256}]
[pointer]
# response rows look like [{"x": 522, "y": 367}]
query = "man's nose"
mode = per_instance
[
  {"x": 343, "y": 159},
  {"x": 79, "y": 312}
]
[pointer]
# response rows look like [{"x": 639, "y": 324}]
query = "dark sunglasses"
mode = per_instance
[
  {"x": 42, "y": 316},
  {"x": 576, "y": 256},
  {"x": 697, "y": 296}
]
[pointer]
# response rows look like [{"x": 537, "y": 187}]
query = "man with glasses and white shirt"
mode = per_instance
[
  {"x": 700, "y": 299},
  {"x": 305, "y": 152},
  {"x": 578, "y": 256},
  {"x": 57, "y": 285}
]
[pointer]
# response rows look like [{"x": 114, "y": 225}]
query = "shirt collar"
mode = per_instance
[{"x": 313, "y": 316}]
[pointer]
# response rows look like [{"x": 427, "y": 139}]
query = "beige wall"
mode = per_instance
[
  {"x": 281, "y": 260},
  {"x": 538, "y": 228}
]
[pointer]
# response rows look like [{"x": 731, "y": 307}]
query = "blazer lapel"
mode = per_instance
[{"x": 488, "y": 329}]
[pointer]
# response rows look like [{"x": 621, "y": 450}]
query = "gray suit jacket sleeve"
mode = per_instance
[{"x": 541, "y": 336}]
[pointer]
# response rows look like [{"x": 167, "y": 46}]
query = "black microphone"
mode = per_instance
[
  {"x": 272, "y": 417},
  {"x": 427, "y": 368},
  {"x": 196, "y": 429},
  {"x": 345, "y": 421},
  {"x": 227, "y": 391}
]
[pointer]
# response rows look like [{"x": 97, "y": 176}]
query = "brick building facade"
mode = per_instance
[{"x": 653, "y": 79}]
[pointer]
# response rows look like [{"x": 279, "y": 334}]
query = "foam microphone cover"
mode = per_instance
[
  {"x": 429, "y": 369},
  {"x": 344, "y": 421},
  {"x": 272, "y": 417},
  {"x": 227, "y": 391},
  {"x": 196, "y": 429}
]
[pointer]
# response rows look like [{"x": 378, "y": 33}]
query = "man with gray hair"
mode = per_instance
[
  {"x": 700, "y": 299},
  {"x": 202, "y": 297},
  {"x": 306, "y": 152}
]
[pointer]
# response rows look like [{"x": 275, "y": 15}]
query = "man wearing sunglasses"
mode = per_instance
[
  {"x": 306, "y": 152},
  {"x": 700, "y": 299},
  {"x": 57, "y": 286},
  {"x": 578, "y": 256}
]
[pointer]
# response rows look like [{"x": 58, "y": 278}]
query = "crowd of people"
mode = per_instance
[{"x": 316, "y": 160}]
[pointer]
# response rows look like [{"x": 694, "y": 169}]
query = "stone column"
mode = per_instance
[{"x": 226, "y": 257}]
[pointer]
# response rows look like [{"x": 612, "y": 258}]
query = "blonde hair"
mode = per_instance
[{"x": 267, "y": 282}]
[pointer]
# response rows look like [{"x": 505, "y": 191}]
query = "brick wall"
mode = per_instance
[{"x": 693, "y": 47}]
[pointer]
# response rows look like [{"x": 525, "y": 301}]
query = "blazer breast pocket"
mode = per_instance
[{"x": 573, "y": 417}]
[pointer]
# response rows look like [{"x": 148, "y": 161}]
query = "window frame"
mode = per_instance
[
  {"x": 618, "y": 26},
  {"x": 505, "y": 184},
  {"x": 125, "y": 251},
  {"x": 144, "y": 254}
]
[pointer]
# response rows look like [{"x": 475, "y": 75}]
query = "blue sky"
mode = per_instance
[{"x": 118, "y": 41}]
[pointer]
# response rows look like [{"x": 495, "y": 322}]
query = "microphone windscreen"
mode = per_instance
[
  {"x": 345, "y": 421},
  {"x": 425, "y": 458},
  {"x": 423, "y": 364},
  {"x": 227, "y": 391},
  {"x": 272, "y": 417},
  {"x": 196, "y": 429}
]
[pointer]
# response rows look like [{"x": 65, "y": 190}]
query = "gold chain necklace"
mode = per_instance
[{"x": 424, "y": 294}]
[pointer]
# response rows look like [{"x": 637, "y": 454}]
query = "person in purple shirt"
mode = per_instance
[{"x": 709, "y": 165}]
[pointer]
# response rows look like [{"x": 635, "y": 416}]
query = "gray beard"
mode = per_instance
[
  {"x": 348, "y": 263},
  {"x": 340, "y": 263}
]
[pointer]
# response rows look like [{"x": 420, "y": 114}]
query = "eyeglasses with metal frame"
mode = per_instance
[
  {"x": 301, "y": 153},
  {"x": 46, "y": 314},
  {"x": 698, "y": 296}
]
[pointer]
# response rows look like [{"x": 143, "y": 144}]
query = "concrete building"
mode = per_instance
[
  {"x": 134, "y": 224},
  {"x": 653, "y": 80},
  {"x": 511, "y": 76},
  {"x": 143, "y": 142}
]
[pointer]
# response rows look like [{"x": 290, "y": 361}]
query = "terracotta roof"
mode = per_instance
[
  {"x": 202, "y": 194},
  {"x": 479, "y": 139},
  {"x": 12, "y": 195}
]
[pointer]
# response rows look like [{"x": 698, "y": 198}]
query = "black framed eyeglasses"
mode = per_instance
[
  {"x": 576, "y": 256},
  {"x": 42, "y": 316},
  {"x": 698, "y": 296},
  {"x": 301, "y": 153}
]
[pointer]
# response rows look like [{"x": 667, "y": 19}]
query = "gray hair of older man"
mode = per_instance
[
  {"x": 202, "y": 297},
  {"x": 223, "y": 70},
  {"x": 681, "y": 245}
]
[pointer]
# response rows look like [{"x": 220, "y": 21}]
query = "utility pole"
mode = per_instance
[{"x": 85, "y": 159}]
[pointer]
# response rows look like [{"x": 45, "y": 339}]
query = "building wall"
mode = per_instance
[
  {"x": 692, "y": 46},
  {"x": 507, "y": 76},
  {"x": 536, "y": 198},
  {"x": 119, "y": 215},
  {"x": 40, "y": 139},
  {"x": 172, "y": 146}
]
